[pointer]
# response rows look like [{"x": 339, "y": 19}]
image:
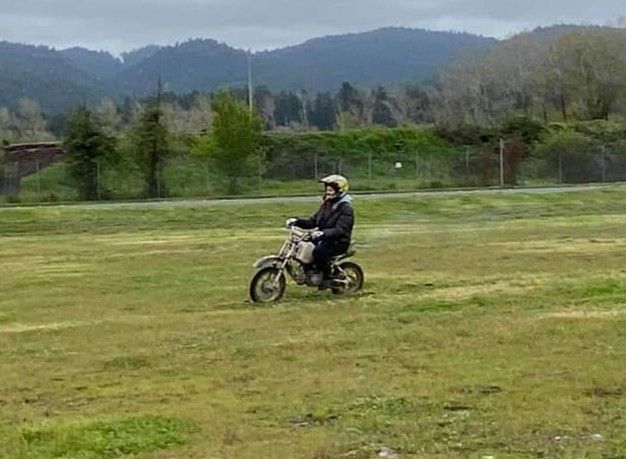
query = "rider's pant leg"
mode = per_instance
[{"x": 324, "y": 251}]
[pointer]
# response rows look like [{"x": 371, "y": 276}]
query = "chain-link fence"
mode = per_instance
[
  {"x": 20, "y": 181},
  {"x": 295, "y": 173},
  {"x": 22, "y": 164},
  {"x": 10, "y": 179},
  {"x": 461, "y": 167}
]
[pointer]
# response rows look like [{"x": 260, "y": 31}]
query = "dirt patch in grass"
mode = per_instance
[
  {"x": 468, "y": 291},
  {"x": 22, "y": 328},
  {"x": 568, "y": 245},
  {"x": 584, "y": 314}
]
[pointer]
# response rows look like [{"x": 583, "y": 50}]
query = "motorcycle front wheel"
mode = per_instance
[{"x": 267, "y": 285}]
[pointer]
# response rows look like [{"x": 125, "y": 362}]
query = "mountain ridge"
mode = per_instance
[{"x": 60, "y": 79}]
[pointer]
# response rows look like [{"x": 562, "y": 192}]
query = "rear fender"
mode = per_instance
[{"x": 344, "y": 256}]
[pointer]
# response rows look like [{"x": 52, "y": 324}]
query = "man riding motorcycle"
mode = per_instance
[{"x": 334, "y": 221}]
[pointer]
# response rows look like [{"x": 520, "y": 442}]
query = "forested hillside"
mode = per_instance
[{"x": 61, "y": 79}]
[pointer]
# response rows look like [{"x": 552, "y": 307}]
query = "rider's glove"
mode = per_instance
[
  {"x": 290, "y": 222},
  {"x": 316, "y": 235}
]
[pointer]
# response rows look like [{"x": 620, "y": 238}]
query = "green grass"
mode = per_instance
[
  {"x": 129, "y": 436},
  {"x": 489, "y": 325}
]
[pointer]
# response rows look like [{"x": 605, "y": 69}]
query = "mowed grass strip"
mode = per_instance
[{"x": 488, "y": 325}]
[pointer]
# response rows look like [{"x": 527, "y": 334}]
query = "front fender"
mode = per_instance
[{"x": 267, "y": 261}]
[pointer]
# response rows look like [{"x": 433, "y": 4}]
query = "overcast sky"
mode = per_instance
[{"x": 122, "y": 25}]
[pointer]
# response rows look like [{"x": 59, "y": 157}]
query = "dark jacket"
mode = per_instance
[{"x": 335, "y": 218}]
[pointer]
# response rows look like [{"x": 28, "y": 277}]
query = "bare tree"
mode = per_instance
[{"x": 30, "y": 121}]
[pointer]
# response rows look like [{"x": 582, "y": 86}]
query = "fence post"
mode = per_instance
[
  {"x": 38, "y": 181},
  {"x": 467, "y": 162},
  {"x": 16, "y": 178},
  {"x": 315, "y": 170},
  {"x": 560, "y": 169},
  {"x": 7, "y": 180},
  {"x": 4, "y": 180},
  {"x": 208, "y": 178},
  {"x": 417, "y": 164},
  {"x": 501, "y": 162},
  {"x": 602, "y": 163},
  {"x": 369, "y": 165},
  {"x": 158, "y": 179},
  {"x": 98, "y": 178}
]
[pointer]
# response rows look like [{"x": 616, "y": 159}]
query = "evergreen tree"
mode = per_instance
[
  {"x": 382, "y": 112},
  {"x": 287, "y": 109},
  {"x": 323, "y": 113},
  {"x": 351, "y": 107},
  {"x": 151, "y": 142},
  {"x": 87, "y": 147},
  {"x": 265, "y": 105},
  {"x": 349, "y": 100}
]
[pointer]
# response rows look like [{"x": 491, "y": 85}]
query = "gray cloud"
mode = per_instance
[{"x": 118, "y": 25}]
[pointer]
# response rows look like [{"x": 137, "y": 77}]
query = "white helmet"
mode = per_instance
[{"x": 338, "y": 182}]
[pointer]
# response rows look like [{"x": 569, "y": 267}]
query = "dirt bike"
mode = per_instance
[{"x": 295, "y": 258}]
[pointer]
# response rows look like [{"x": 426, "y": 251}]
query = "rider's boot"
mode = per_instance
[
  {"x": 326, "y": 283},
  {"x": 327, "y": 280}
]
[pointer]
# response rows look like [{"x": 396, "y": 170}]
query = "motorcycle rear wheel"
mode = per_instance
[
  {"x": 354, "y": 279},
  {"x": 265, "y": 287}
]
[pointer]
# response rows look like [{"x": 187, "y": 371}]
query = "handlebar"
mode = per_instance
[{"x": 300, "y": 232}]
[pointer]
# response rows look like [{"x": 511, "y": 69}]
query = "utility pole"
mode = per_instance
[
  {"x": 155, "y": 160},
  {"x": 501, "y": 162},
  {"x": 250, "y": 104}
]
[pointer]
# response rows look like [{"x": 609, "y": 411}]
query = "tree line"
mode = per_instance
[
  {"x": 516, "y": 91},
  {"x": 231, "y": 144},
  {"x": 574, "y": 76}
]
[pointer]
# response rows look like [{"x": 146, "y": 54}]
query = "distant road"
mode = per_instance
[{"x": 199, "y": 202}]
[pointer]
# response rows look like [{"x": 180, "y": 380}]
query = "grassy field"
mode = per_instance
[{"x": 489, "y": 325}]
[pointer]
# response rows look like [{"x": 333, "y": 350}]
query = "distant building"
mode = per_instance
[{"x": 21, "y": 159}]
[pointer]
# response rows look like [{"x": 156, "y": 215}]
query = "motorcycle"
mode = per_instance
[{"x": 295, "y": 258}]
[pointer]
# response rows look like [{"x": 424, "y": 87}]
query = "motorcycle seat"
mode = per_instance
[{"x": 348, "y": 253}]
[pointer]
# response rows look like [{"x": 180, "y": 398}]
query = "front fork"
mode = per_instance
[{"x": 281, "y": 272}]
